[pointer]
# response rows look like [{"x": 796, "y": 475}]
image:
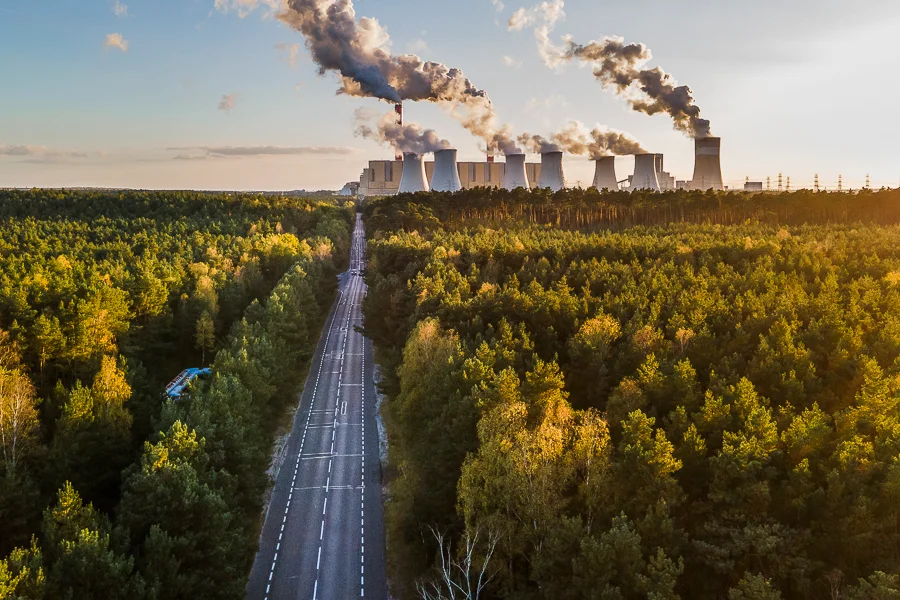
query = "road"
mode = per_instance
[{"x": 323, "y": 536}]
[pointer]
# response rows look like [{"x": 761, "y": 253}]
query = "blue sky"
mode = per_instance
[{"x": 798, "y": 87}]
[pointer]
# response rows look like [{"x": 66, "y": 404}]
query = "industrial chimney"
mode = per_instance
[
  {"x": 707, "y": 166},
  {"x": 552, "y": 171},
  {"x": 605, "y": 173},
  {"x": 413, "y": 178},
  {"x": 645, "y": 173},
  {"x": 446, "y": 174},
  {"x": 398, "y": 108},
  {"x": 515, "y": 175}
]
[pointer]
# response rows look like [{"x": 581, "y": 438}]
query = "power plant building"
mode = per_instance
[{"x": 382, "y": 177}]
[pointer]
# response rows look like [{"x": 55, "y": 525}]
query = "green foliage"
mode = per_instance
[
  {"x": 685, "y": 394},
  {"x": 103, "y": 299}
]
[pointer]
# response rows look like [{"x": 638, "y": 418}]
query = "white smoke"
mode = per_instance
[
  {"x": 538, "y": 144},
  {"x": 543, "y": 18},
  {"x": 408, "y": 137},
  {"x": 577, "y": 139}
]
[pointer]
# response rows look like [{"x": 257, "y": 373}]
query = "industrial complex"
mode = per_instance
[{"x": 410, "y": 172}]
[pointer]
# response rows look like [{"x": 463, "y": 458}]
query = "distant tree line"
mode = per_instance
[
  {"x": 155, "y": 499},
  {"x": 687, "y": 409},
  {"x": 586, "y": 209}
]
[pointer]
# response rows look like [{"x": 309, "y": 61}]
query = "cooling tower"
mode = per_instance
[
  {"x": 515, "y": 176},
  {"x": 552, "y": 171},
  {"x": 645, "y": 173},
  {"x": 413, "y": 178},
  {"x": 446, "y": 175},
  {"x": 707, "y": 166},
  {"x": 605, "y": 174}
]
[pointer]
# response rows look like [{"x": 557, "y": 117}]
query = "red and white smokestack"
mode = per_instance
[{"x": 398, "y": 108}]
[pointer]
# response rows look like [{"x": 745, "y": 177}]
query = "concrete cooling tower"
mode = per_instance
[
  {"x": 707, "y": 165},
  {"x": 552, "y": 171},
  {"x": 605, "y": 174},
  {"x": 515, "y": 176},
  {"x": 446, "y": 174},
  {"x": 413, "y": 179},
  {"x": 645, "y": 173}
]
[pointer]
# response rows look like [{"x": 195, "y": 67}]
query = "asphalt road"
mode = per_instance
[{"x": 323, "y": 536}]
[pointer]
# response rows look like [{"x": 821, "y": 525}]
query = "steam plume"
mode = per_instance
[
  {"x": 618, "y": 65},
  {"x": 538, "y": 144},
  {"x": 577, "y": 139},
  {"x": 543, "y": 17},
  {"x": 408, "y": 137},
  {"x": 358, "y": 51}
]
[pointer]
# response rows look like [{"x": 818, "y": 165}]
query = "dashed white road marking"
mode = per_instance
[{"x": 352, "y": 295}]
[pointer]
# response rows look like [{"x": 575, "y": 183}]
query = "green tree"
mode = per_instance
[
  {"x": 205, "y": 336},
  {"x": 19, "y": 424},
  {"x": 81, "y": 562},
  {"x": 181, "y": 528},
  {"x": 93, "y": 438}
]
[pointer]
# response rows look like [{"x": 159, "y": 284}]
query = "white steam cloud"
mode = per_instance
[
  {"x": 408, "y": 137},
  {"x": 577, "y": 139},
  {"x": 543, "y": 18}
]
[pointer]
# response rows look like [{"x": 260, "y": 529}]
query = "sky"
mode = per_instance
[{"x": 220, "y": 94}]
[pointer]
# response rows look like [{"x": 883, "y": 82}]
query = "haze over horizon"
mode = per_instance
[{"x": 219, "y": 94}]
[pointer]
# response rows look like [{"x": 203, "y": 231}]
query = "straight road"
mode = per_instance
[{"x": 323, "y": 537}]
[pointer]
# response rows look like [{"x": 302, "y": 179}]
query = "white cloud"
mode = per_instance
[
  {"x": 245, "y": 7},
  {"x": 289, "y": 51},
  {"x": 228, "y": 102},
  {"x": 120, "y": 9},
  {"x": 238, "y": 151},
  {"x": 115, "y": 40},
  {"x": 498, "y": 4},
  {"x": 417, "y": 46},
  {"x": 38, "y": 154},
  {"x": 511, "y": 62}
]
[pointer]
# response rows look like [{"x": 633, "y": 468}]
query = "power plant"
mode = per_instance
[
  {"x": 412, "y": 174},
  {"x": 605, "y": 174},
  {"x": 552, "y": 171},
  {"x": 645, "y": 177},
  {"x": 515, "y": 176},
  {"x": 707, "y": 164},
  {"x": 445, "y": 177},
  {"x": 413, "y": 179}
]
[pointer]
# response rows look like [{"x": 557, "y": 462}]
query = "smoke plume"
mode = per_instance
[
  {"x": 358, "y": 51},
  {"x": 543, "y": 17},
  {"x": 538, "y": 144},
  {"x": 577, "y": 139},
  {"x": 617, "y": 65},
  {"x": 408, "y": 137},
  {"x": 650, "y": 91}
]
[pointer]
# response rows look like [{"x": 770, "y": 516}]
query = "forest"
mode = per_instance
[
  {"x": 679, "y": 395},
  {"x": 108, "y": 489}
]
